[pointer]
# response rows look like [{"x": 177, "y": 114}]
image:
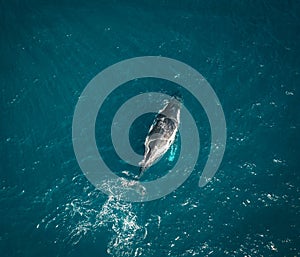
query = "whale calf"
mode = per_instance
[{"x": 161, "y": 134}]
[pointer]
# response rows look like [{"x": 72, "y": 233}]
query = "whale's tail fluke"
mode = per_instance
[{"x": 141, "y": 172}]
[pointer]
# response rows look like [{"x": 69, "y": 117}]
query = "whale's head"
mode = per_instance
[{"x": 172, "y": 109}]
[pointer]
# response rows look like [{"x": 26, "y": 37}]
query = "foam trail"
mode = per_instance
[
  {"x": 81, "y": 217},
  {"x": 127, "y": 231}
]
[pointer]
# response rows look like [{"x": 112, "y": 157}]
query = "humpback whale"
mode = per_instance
[{"x": 161, "y": 134}]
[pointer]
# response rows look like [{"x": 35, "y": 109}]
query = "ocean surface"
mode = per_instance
[{"x": 249, "y": 52}]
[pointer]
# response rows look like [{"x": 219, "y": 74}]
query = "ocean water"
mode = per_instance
[{"x": 247, "y": 50}]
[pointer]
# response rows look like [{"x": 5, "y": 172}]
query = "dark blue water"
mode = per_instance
[{"x": 247, "y": 50}]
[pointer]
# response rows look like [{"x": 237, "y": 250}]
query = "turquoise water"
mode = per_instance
[{"x": 249, "y": 53}]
